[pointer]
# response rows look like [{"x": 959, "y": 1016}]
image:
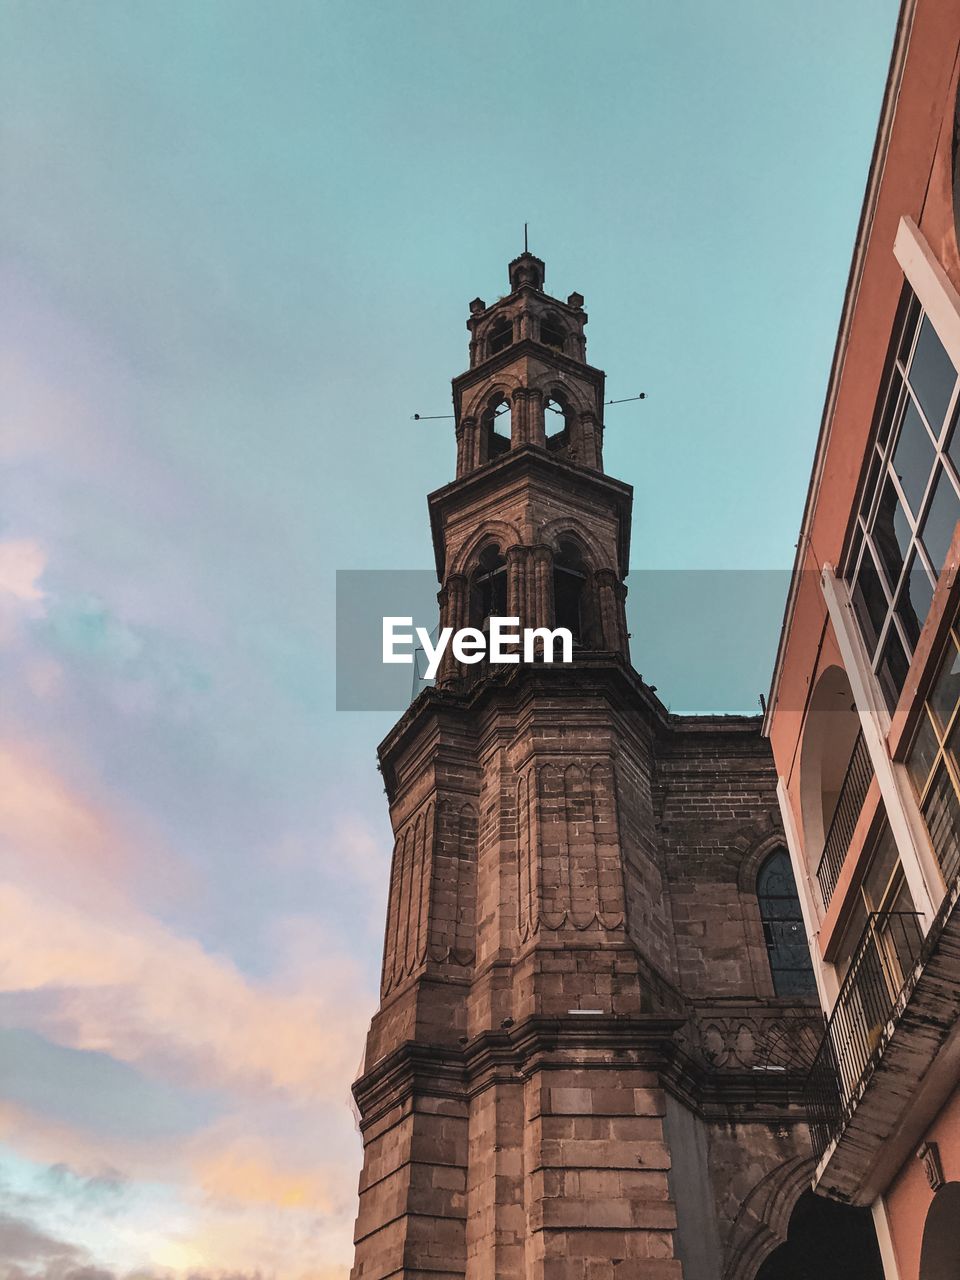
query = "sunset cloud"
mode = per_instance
[
  {"x": 22, "y": 563},
  {"x": 144, "y": 995}
]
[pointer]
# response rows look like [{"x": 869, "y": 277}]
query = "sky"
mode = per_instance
[{"x": 238, "y": 243}]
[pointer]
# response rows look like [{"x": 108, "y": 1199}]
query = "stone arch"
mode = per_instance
[
  {"x": 498, "y": 533},
  {"x": 756, "y": 855},
  {"x": 764, "y": 1217},
  {"x": 504, "y": 387},
  {"x": 940, "y": 1245},
  {"x": 564, "y": 527},
  {"x": 829, "y": 733}
]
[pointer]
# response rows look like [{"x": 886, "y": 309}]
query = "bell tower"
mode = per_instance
[
  {"x": 529, "y": 1043},
  {"x": 531, "y": 524}
]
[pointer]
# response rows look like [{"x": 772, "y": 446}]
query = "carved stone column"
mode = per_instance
[
  {"x": 543, "y": 607},
  {"x": 610, "y": 597},
  {"x": 468, "y": 458},
  {"x": 528, "y": 425},
  {"x": 591, "y": 437},
  {"x": 454, "y": 602}
]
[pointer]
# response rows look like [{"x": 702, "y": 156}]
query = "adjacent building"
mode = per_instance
[{"x": 862, "y": 714}]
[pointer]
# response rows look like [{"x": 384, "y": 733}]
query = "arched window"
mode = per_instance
[
  {"x": 569, "y": 582},
  {"x": 500, "y": 336},
  {"x": 551, "y": 334},
  {"x": 497, "y": 426},
  {"x": 556, "y": 423},
  {"x": 783, "y": 929},
  {"x": 488, "y": 588}
]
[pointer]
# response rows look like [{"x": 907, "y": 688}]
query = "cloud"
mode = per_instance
[
  {"x": 139, "y": 992},
  {"x": 22, "y": 563},
  {"x": 56, "y": 838},
  {"x": 21, "y": 1241}
]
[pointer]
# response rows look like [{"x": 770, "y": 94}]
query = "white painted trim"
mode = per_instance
[
  {"x": 827, "y": 985},
  {"x": 931, "y": 284},
  {"x": 920, "y": 867},
  {"x": 888, "y": 1255}
]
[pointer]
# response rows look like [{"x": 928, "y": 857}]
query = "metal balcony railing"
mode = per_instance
[
  {"x": 853, "y": 792},
  {"x": 883, "y": 962}
]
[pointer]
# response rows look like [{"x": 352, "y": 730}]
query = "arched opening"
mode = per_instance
[
  {"x": 783, "y": 930},
  {"x": 825, "y": 1241},
  {"x": 500, "y": 336},
  {"x": 835, "y": 773},
  {"x": 569, "y": 591},
  {"x": 940, "y": 1247},
  {"x": 551, "y": 333},
  {"x": 557, "y": 417},
  {"x": 497, "y": 425},
  {"x": 488, "y": 588}
]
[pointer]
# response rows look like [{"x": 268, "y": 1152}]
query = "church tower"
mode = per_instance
[{"x": 567, "y": 892}]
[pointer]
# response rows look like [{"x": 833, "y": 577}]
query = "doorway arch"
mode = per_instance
[{"x": 940, "y": 1247}]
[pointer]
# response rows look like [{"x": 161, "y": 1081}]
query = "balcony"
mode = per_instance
[
  {"x": 853, "y": 793},
  {"x": 896, "y": 1009}
]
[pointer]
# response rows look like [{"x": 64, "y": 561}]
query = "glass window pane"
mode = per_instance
[
  {"x": 922, "y": 754},
  {"x": 891, "y": 534},
  {"x": 946, "y": 688},
  {"x": 941, "y": 520},
  {"x": 854, "y": 552},
  {"x": 953, "y": 448},
  {"x": 932, "y": 375},
  {"x": 913, "y": 602},
  {"x": 909, "y": 329},
  {"x": 783, "y": 926},
  {"x": 942, "y": 816},
  {"x": 913, "y": 457},
  {"x": 892, "y": 671},
  {"x": 884, "y": 861},
  {"x": 869, "y": 600},
  {"x": 891, "y": 410}
]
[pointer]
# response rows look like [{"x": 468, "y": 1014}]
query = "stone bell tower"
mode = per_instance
[{"x": 513, "y": 1097}]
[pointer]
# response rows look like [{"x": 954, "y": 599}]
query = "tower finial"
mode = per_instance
[{"x": 526, "y": 247}]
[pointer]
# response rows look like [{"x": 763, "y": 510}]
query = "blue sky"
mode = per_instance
[{"x": 238, "y": 245}]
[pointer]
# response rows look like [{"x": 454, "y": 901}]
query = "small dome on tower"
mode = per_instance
[{"x": 527, "y": 269}]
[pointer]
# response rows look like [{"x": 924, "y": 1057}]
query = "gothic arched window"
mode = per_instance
[
  {"x": 488, "y": 588},
  {"x": 497, "y": 426},
  {"x": 569, "y": 583},
  {"x": 500, "y": 337},
  {"x": 551, "y": 334},
  {"x": 783, "y": 929},
  {"x": 556, "y": 424}
]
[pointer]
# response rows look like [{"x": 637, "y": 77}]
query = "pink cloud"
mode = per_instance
[
  {"x": 147, "y": 996},
  {"x": 22, "y": 562}
]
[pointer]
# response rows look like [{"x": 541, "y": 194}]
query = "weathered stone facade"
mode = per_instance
[{"x": 579, "y": 1069}]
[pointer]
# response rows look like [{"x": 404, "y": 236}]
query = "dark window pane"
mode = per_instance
[
  {"x": 942, "y": 816},
  {"x": 941, "y": 520},
  {"x": 932, "y": 375},
  {"x": 891, "y": 534},
  {"x": 869, "y": 600},
  {"x": 953, "y": 448},
  {"x": 922, "y": 754},
  {"x": 783, "y": 929},
  {"x": 893, "y": 668},
  {"x": 854, "y": 552},
  {"x": 913, "y": 457},
  {"x": 890, "y": 409},
  {"x": 913, "y": 602},
  {"x": 884, "y": 861},
  {"x": 909, "y": 329},
  {"x": 946, "y": 687}
]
